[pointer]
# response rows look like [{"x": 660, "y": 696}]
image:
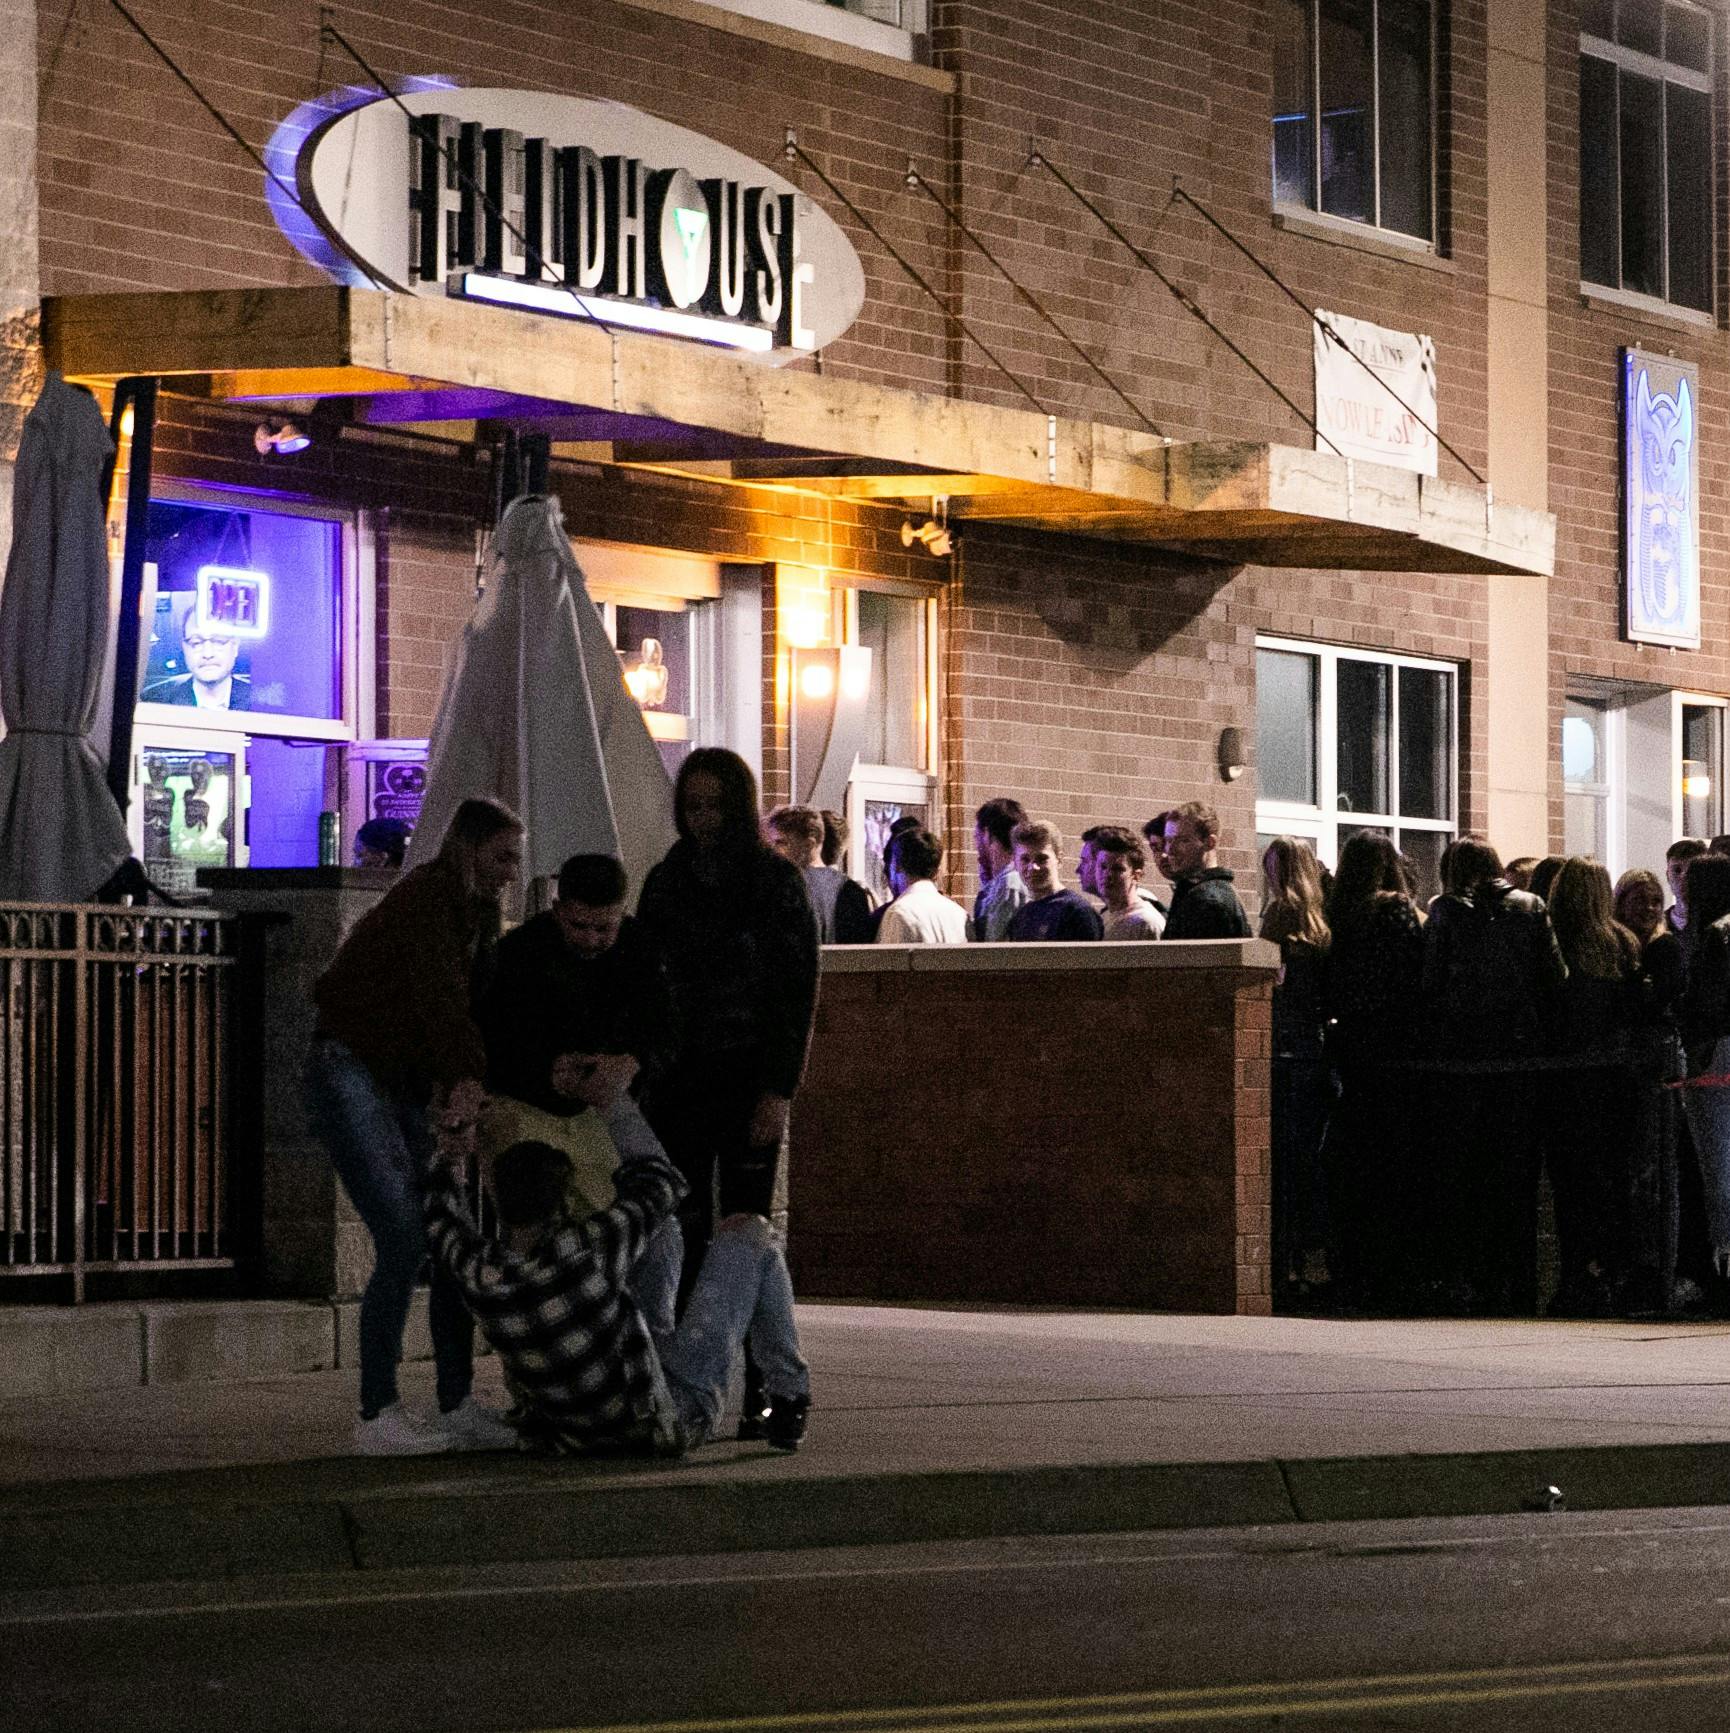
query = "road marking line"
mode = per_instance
[{"x": 1234, "y": 1702}]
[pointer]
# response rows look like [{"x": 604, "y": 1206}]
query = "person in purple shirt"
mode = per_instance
[{"x": 1052, "y": 912}]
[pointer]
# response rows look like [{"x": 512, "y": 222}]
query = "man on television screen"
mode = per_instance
[{"x": 210, "y": 682}]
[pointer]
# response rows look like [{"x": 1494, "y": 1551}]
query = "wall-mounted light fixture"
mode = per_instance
[
  {"x": 1232, "y": 760},
  {"x": 280, "y": 434},
  {"x": 934, "y": 535},
  {"x": 829, "y": 689},
  {"x": 1696, "y": 779}
]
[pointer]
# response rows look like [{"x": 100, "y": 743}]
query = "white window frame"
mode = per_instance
[
  {"x": 1680, "y": 701},
  {"x": 1666, "y": 73},
  {"x": 842, "y": 24},
  {"x": 1313, "y": 211},
  {"x": 1320, "y": 822},
  {"x": 357, "y": 651}
]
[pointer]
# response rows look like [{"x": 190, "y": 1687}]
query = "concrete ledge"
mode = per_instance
[
  {"x": 1069, "y": 956},
  {"x": 235, "y": 1340},
  {"x": 61, "y": 1350},
  {"x": 335, "y": 1517}
]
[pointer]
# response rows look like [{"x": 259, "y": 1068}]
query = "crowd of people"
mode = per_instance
[{"x": 1433, "y": 1062}]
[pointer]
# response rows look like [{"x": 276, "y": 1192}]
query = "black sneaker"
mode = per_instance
[
  {"x": 785, "y": 1426},
  {"x": 754, "y": 1419}
]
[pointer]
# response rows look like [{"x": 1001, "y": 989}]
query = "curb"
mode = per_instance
[{"x": 536, "y": 1515}]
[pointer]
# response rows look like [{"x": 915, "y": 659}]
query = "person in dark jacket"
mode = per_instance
[
  {"x": 1602, "y": 1011},
  {"x": 1203, "y": 902},
  {"x": 1051, "y": 912},
  {"x": 1374, "y": 970},
  {"x": 1706, "y": 1038},
  {"x": 734, "y": 922},
  {"x": 1292, "y": 917},
  {"x": 577, "y": 1014},
  {"x": 395, "y": 1032},
  {"x": 841, "y": 904},
  {"x": 1491, "y": 974}
]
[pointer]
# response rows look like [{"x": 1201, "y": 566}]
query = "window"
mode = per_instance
[
  {"x": 1354, "y": 111},
  {"x": 1646, "y": 150},
  {"x": 900, "y": 631},
  {"x": 1702, "y": 772},
  {"x": 1351, "y": 740},
  {"x": 889, "y": 27},
  {"x": 1586, "y": 778}
]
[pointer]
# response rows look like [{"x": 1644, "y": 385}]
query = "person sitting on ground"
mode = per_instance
[
  {"x": 920, "y": 913},
  {"x": 1001, "y": 891},
  {"x": 580, "y": 1312},
  {"x": 1119, "y": 862},
  {"x": 1203, "y": 903},
  {"x": 382, "y": 842},
  {"x": 843, "y": 909},
  {"x": 577, "y": 1015},
  {"x": 1053, "y": 913},
  {"x": 1676, "y": 859}
]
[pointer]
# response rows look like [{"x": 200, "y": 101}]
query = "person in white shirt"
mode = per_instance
[
  {"x": 920, "y": 913},
  {"x": 1119, "y": 862}
]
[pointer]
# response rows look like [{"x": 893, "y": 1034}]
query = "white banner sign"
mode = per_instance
[{"x": 1375, "y": 393}]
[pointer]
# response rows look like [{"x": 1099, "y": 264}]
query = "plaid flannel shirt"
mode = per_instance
[{"x": 562, "y": 1320}]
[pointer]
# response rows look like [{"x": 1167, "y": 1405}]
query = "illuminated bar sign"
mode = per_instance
[
  {"x": 1660, "y": 500},
  {"x": 232, "y": 603},
  {"x": 579, "y": 208}
]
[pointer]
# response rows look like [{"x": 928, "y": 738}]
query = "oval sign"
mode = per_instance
[{"x": 575, "y": 207}]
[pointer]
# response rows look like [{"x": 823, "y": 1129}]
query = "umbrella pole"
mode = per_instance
[{"x": 138, "y": 395}]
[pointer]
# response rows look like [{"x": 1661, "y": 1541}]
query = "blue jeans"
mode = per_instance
[
  {"x": 742, "y": 1292},
  {"x": 377, "y": 1143}
]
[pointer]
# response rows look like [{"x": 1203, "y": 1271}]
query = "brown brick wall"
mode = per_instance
[
  {"x": 980, "y": 1135},
  {"x": 1586, "y": 339}
]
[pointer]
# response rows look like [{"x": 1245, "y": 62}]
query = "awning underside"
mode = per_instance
[{"x": 642, "y": 401}]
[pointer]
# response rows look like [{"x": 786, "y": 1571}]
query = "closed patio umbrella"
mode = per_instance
[
  {"x": 535, "y": 713},
  {"x": 61, "y": 834}
]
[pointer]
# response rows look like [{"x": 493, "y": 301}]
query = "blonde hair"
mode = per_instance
[{"x": 1292, "y": 909}]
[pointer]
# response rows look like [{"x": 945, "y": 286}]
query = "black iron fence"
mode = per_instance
[{"x": 117, "y": 1099}]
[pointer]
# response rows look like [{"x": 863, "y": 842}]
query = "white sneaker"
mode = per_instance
[
  {"x": 469, "y": 1426},
  {"x": 397, "y": 1431}
]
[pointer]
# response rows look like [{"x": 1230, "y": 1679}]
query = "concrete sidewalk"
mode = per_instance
[{"x": 929, "y": 1424}]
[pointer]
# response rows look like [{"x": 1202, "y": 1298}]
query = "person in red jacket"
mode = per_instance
[{"x": 396, "y": 1031}]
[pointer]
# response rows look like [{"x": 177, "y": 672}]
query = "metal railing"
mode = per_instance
[{"x": 116, "y": 1109}]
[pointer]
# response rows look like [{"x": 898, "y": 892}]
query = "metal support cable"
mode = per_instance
[
  {"x": 1178, "y": 192},
  {"x": 916, "y": 179},
  {"x": 215, "y": 113},
  {"x": 328, "y": 31},
  {"x": 797, "y": 153},
  {"x": 1037, "y": 159}
]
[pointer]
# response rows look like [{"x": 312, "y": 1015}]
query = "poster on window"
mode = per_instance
[
  {"x": 1660, "y": 495},
  {"x": 1375, "y": 393}
]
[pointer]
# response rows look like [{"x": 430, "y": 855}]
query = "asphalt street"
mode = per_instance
[{"x": 1570, "y": 1621}]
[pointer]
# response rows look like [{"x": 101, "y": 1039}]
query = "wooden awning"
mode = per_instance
[{"x": 650, "y": 401}]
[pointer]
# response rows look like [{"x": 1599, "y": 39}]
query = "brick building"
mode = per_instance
[{"x": 1080, "y": 654}]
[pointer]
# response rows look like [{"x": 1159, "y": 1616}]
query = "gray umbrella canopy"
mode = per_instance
[
  {"x": 61, "y": 835},
  {"x": 535, "y": 713}
]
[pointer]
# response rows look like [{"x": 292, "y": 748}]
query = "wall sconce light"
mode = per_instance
[
  {"x": 934, "y": 535},
  {"x": 1232, "y": 761},
  {"x": 1696, "y": 779},
  {"x": 281, "y": 434}
]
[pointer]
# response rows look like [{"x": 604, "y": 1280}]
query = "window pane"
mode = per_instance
[
  {"x": 1347, "y": 94},
  {"x": 1293, "y": 99},
  {"x": 1597, "y": 18},
  {"x": 1702, "y": 769},
  {"x": 1600, "y": 223},
  {"x": 1690, "y": 177},
  {"x": 248, "y": 611},
  {"x": 1426, "y": 743},
  {"x": 654, "y": 647},
  {"x": 1405, "y": 116},
  {"x": 1688, "y": 38},
  {"x": 1285, "y": 726},
  {"x": 1365, "y": 696},
  {"x": 1640, "y": 24},
  {"x": 1642, "y": 184},
  {"x": 889, "y": 626},
  {"x": 1423, "y": 852},
  {"x": 1583, "y": 824}
]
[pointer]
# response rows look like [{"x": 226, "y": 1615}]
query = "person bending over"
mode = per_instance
[{"x": 580, "y": 1312}]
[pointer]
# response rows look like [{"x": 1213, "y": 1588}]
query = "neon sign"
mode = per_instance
[
  {"x": 232, "y": 602},
  {"x": 1660, "y": 492}
]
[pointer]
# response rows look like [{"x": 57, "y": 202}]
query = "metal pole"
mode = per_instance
[{"x": 140, "y": 396}]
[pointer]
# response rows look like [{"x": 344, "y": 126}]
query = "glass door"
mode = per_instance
[{"x": 189, "y": 804}]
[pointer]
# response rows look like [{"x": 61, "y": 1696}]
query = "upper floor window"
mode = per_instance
[
  {"x": 1354, "y": 111},
  {"x": 890, "y": 27},
  {"x": 1646, "y": 149}
]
